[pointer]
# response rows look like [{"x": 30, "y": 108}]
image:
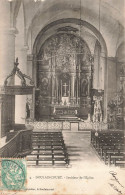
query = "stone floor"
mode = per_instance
[
  {"x": 79, "y": 149},
  {"x": 3, "y": 141}
]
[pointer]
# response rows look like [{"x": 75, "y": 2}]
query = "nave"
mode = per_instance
[{"x": 67, "y": 149}]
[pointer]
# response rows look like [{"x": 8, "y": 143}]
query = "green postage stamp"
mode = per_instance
[{"x": 12, "y": 174}]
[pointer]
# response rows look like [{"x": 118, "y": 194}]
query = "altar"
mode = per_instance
[
  {"x": 64, "y": 82},
  {"x": 59, "y": 110}
]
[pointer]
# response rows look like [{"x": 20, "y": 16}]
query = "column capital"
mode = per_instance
[
  {"x": 11, "y": 31},
  {"x": 30, "y": 57},
  {"x": 103, "y": 54}
]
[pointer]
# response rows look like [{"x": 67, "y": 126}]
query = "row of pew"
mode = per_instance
[
  {"x": 110, "y": 145},
  {"x": 49, "y": 150}
]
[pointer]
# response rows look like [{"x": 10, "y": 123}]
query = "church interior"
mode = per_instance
[{"x": 62, "y": 81}]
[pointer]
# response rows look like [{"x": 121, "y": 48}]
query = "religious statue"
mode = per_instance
[
  {"x": 84, "y": 87},
  {"x": 115, "y": 111},
  {"x": 54, "y": 110},
  {"x": 28, "y": 108},
  {"x": 44, "y": 83},
  {"x": 97, "y": 115},
  {"x": 37, "y": 109},
  {"x": 44, "y": 86}
]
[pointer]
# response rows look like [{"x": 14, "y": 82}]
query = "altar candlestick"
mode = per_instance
[
  {"x": 69, "y": 90},
  {"x": 57, "y": 88},
  {"x": 59, "y": 95},
  {"x": 88, "y": 85},
  {"x": 73, "y": 85},
  {"x": 55, "y": 93},
  {"x": 77, "y": 91},
  {"x": 61, "y": 89}
]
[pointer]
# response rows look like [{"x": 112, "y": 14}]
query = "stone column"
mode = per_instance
[
  {"x": 49, "y": 76},
  {"x": 77, "y": 90},
  {"x": 30, "y": 65},
  {"x": 96, "y": 75},
  {"x": 57, "y": 93},
  {"x": 102, "y": 70},
  {"x": 72, "y": 87},
  {"x": 69, "y": 89},
  {"x": 79, "y": 93},
  {"x": 53, "y": 88},
  {"x": 73, "y": 77},
  {"x": 104, "y": 82},
  {"x": 105, "y": 90},
  {"x": 20, "y": 101},
  {"x": 61, "y": 91},
  {"x": 88, "y": 80},
  {"x": 7, "y": 54}
]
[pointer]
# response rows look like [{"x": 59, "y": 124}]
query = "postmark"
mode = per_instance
[{"x": 13, "y": 174}]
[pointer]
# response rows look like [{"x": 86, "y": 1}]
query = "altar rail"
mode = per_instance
[
  {"x": 66, "y": 125},
  {"x": 19, "y": 143}
]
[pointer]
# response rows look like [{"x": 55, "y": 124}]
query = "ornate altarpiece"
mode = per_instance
[
  {"x": 116, "y": 105},
  {"x": 64, "y": 77}
]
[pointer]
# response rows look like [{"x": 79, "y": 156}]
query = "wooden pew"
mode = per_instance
[
  {"x": 110, "y": 146},
  {"x": 49, "y": 150}
]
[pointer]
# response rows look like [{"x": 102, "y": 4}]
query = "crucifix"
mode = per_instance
[{"x": 65, "y": 86}]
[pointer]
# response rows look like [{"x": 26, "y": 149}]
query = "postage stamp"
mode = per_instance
[{"x": 13, "y": 174}]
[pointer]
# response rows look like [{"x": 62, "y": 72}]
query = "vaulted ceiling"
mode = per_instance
[{"x": 108, "y": 19}]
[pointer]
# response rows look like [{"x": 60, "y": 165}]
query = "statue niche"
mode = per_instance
[
  {"x": 44, "y": 86},
  {"x": 84, "y": 87}
]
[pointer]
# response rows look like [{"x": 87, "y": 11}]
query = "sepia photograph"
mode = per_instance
[{"x": 62, "y": 97}]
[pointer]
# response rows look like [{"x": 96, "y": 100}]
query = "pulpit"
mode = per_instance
[{"x": 7, "y": 98}]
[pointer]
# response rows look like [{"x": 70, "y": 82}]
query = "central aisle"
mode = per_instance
[{"x": 79, "y": 149}]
